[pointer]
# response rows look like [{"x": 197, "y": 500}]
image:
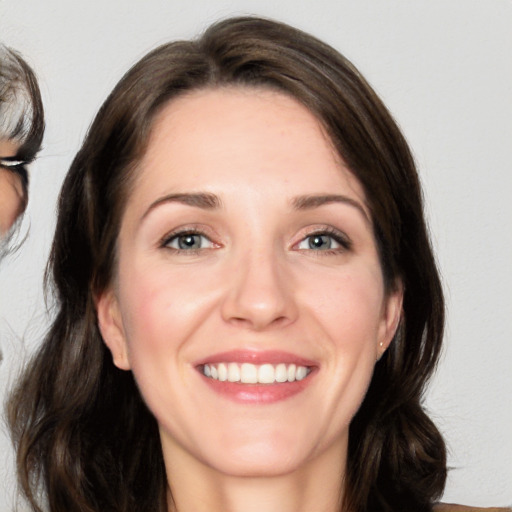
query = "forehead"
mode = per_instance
[{"x": 219, "y": 139}]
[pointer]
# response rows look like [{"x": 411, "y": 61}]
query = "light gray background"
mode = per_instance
[{"x": 444, "y": 68}]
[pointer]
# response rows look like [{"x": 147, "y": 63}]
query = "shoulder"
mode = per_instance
[{"x": 446, "y": 507}]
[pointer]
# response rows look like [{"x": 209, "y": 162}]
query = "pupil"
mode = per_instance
[
  {"x": 319, "y": 242},
  {"x": 189, "y": 242}
]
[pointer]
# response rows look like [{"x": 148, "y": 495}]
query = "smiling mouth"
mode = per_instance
[{"x": 248, "y": 373}]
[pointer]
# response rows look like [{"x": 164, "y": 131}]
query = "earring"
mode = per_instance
[{"x": 381, "y": 345}]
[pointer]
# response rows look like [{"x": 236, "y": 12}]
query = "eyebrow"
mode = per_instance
[
  {"x": 308, "y": 202},
  {"x": 203, "y": 200},
  {"x": 208, "y": 201}
]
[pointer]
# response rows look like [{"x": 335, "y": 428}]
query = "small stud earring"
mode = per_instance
[{"x": 379, "y": 355}]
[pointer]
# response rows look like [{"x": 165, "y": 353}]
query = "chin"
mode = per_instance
[
  {"x": 267, "y": 454},
  {"x": 264, "y": 464}
]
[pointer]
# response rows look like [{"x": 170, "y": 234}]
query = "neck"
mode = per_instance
[{"x": 317, "y": 486}]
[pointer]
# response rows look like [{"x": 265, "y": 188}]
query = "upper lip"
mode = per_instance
[{"x": 256, "y": 357}]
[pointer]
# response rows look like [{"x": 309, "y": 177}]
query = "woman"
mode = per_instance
[
  {"x": 21, "y": 133},
  {"x": 248, "y": 304}
]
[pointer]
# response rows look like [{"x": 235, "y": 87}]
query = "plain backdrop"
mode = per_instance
[{"x": 443, "y": 67}]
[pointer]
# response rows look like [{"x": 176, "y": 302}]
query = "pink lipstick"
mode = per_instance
[{"x": 257, "y": 377}]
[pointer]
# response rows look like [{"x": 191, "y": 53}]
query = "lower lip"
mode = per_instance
[{"x": 258, "y": 393}]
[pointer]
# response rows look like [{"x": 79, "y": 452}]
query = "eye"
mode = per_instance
[
  {"x": 190, "y": 241},
  {"x": 16, "y": 166},
  {"x": 12, "y": 163},
  {"x": 324, "y": 241}
]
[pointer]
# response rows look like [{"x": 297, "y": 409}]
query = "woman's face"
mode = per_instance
[
  {"x": 249, "y": 299},
  {"x": 11, "y": 189}
]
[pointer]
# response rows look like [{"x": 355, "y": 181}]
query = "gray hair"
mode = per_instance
[
  {"x": 21, "y": 121},
  {"x": 21, "y": 111},
  {"x": 16, "y": 110}
]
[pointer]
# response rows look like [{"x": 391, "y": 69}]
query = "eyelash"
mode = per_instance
[{"x": 340, "y": 238}]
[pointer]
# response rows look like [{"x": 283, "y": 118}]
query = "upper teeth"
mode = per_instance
[{"x": 248, "y": 373}]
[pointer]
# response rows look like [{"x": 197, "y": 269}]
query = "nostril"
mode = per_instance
[
  {"x": 280, "y": 320},
  {"x": 259, "y": 323}
]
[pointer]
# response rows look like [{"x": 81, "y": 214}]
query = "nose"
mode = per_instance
[{"x": 260, "y": 293}]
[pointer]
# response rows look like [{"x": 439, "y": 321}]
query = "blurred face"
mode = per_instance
[
  {"x": 11, "y": 189},
  {"x": 249, "y": 300}
]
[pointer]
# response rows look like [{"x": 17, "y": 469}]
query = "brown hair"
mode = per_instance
[{"x": 79, "y": 424}]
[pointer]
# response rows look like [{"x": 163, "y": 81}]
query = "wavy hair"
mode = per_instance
[{"x": 82, "y": 432}]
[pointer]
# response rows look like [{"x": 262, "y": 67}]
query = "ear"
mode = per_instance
[
  {"x": 111, "y": 327},
  {"x": 391, "y": 315}
]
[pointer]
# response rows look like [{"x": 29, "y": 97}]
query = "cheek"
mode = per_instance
[
  {"x": 161, "y": 309},
  {"x": 148, "y": 318},
  {"x": 11, "y": 199},
  {"x": 349, "y": 312},
  {"x": 350, "y": 306},
  {"x": 153, "y": 333}
]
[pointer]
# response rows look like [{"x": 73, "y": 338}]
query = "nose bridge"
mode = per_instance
[{"x": 259, "y": 294}]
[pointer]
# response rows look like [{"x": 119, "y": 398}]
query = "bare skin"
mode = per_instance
[
  {"x": 316, "y": 486},
  {"x": 11, "y": 190}
]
